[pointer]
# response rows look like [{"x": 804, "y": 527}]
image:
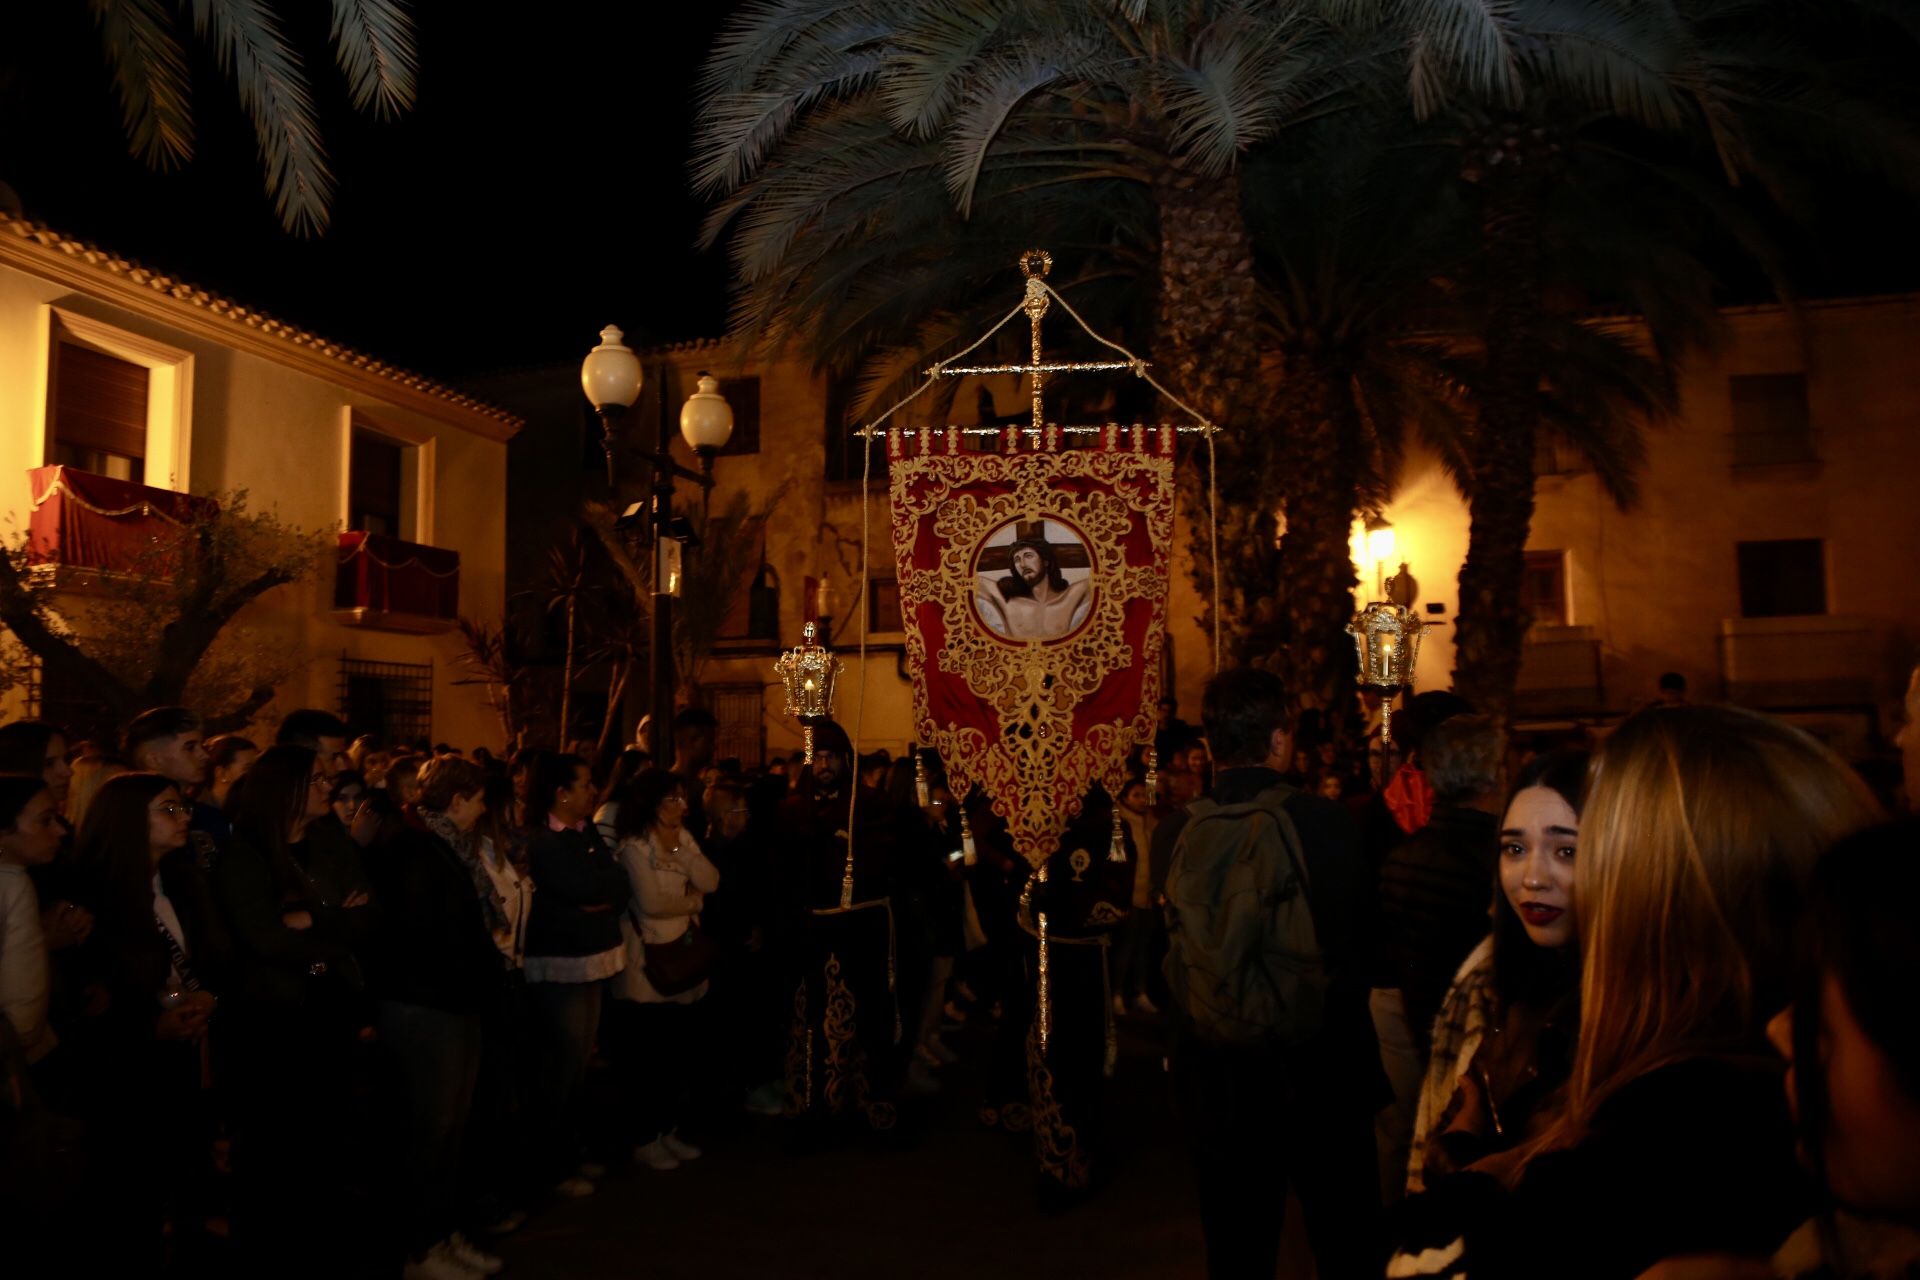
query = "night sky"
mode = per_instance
[{"x": 536, "y": 192}]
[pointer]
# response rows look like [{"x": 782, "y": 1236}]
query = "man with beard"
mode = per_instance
[
  {"x": 1035, "y": 601},
  {"x": 845, "y": 1019}
]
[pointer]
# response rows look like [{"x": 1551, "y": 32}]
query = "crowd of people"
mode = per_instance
[{"x": 335, "y": 1006}]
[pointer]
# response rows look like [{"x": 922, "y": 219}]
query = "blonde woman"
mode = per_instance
[{"x": 1700, "y": 835}]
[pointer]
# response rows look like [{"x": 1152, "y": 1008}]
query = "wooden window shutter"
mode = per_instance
[{"x": 99, "y": 401}]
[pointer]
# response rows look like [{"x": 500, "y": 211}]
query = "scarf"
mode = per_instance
[{"x": 466, "y": 847}]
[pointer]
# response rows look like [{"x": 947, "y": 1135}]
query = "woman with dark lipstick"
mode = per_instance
[
  {"x": 1700, "y": 832},
  {"x": 1503, "y": 1042}
]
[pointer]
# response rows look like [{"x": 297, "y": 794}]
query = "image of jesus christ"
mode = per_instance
[{"x": 1035, "y": 601}]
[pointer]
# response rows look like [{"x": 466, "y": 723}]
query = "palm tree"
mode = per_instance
[
  {"x": 1603, "y": 113},
  {"x": 818, "y": 114},
  {"x": 142, "y": 40}
]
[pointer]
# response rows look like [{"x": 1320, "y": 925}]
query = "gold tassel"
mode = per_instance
[
  {"x": 969, "y": 857},
  {"x": 1118, "y": 851},
  {"x": 806, "y": 741},
  {"x": 1045, "y": 996},
  {"x": 1153, "y": 776},
  {"x": 921, "y": 792}
]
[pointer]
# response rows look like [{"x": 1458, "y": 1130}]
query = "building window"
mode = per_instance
[
  {"x": 742, "y": 731},
  {"x": 376, "y": 484},
  {"x": 391, "y": 700},
  {"x": 883, "y": 605},
  {"x": 97, "y": 412},
  {"x": 1786, "y": 578},
  {"x": 1543, "y": 588},
  {"x": 743, "y": 397},
  {"x": 754, "y": 611},
  {"x": 763, "y": 605},
  {"x": 1772, "y": 423},
  {"x": 843, "y": 446}
]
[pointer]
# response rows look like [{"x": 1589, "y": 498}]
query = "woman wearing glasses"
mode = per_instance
[
  {"x": 295, "y": 895},
  {"x": 159, "y": 951}
]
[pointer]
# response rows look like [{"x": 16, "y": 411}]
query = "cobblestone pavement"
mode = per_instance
[{"x": 949, "y": 1200}]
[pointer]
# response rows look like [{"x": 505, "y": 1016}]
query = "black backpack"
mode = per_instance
[{"x": 1243, "y": 956}]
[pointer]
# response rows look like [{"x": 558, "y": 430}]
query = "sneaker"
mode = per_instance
[
  {"x": 1143, "y": 1005},
  {"x": 656, "y": 1155},
  {"x": 1120, "y": 1005},
  {"x": 473, "y": 1258},
  {"x": 591, "y": 1171},
  {"x": 574, "y": 1188},
  {"x": 681, "y": 1148},
  {"x": 507, "y": 1223},
  {"x": 437, "y": 1264},
  {"x": 941, "y": 1049}
]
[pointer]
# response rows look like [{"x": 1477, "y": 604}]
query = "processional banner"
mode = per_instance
[{"x": 1033, "y": 588}]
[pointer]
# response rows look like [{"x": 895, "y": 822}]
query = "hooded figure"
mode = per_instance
[{"x": 842, "y": 1060}]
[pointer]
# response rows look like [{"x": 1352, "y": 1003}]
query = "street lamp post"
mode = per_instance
[{"x": 611, "y": 378}]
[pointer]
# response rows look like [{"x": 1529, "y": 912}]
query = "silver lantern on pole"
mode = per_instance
[
  {"x": 1386, "y": 637},
  {"x": 808, "y": 671}
]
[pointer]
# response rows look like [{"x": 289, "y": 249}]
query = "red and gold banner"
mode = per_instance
[{"x": 1033, "y": 587}]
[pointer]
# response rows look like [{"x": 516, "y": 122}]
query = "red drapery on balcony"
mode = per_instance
[
  {"x": 383, "y": 573},
  {"x": 85, "y": 521}
]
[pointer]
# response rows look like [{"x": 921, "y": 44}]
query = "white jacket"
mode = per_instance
[
  {"x": 669, "y": 886},
  {"x": 23, "y": 963}
]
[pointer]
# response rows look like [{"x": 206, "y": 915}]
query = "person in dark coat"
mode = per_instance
[
  {"x": 1436, "y": 894},
  {"x": 573, "y": 947},
  {"x": 160, "y": 954},
  {"x": 846, "y": 1021},
  {"x": 296, "y": 897},
  {"x": 436, "y": 975},
  {"x": 1260, "y": 1117},
  {"x": 1070, "y": 1040}
]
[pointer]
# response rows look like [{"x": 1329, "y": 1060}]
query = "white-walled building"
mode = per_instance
[{"x": 129, "y": 377}]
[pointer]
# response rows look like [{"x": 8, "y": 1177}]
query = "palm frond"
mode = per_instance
[
  {"x": 1603, "y": 392},
  {"x": 150, "y": 77},
  {"x": 373, "y": 40},
  {"x": 1454, "y": 46},
  {"x": 1003, "y": 81},
  {"x": 250, "y": 47},
  {"x": 838, "y": 55},
  {"x": 1233, "y": 92},
  {"x": 937, "y": 51},
  {"x": 1634, "y": 62}
]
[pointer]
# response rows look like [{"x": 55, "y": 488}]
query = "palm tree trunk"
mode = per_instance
[
  {"x": 1204, "y": 347},
  {"x": 1320, "y": 477},
  {"x": 1491, "y": 627}
]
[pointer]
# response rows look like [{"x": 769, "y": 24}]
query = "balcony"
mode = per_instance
[
  {"x": 388, "y": 585},
  {"x": 85, "y": 527},
  {"x": 1559, "y": 673},
  {"x": 1813, "y": 661}
]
